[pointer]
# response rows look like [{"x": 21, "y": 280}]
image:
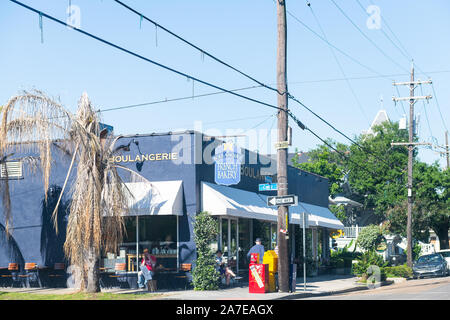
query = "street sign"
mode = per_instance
[
  {"x": 267, "y": 187},
  {"x": 282, "y": 145},
  {"x": 289, "y": 200}
]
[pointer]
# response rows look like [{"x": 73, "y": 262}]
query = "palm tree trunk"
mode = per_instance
[{"x": 93, "y": 274}]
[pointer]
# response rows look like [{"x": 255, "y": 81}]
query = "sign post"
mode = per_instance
[{"x": 289, "y": 200}]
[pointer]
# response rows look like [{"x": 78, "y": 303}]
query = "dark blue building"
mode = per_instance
[{"x": 179, "y": 172}]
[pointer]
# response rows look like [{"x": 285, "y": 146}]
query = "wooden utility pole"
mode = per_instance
[
  {"x": 283, "y": 256},
  {"x": 412, "y": 84}
]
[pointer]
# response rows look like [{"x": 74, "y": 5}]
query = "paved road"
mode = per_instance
[{"x": 422, "y": 289}]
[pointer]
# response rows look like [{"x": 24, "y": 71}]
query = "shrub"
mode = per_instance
[
  {"x": 342, "y": 258},
  {"x": 402, "y": 271},
  {"x": 205, "y": 276},
  {"x": 369, "y": 237},
  {"x": 367, "y": 259}
]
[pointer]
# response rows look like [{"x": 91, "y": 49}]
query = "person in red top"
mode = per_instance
[{"x": 148, "y": 264}]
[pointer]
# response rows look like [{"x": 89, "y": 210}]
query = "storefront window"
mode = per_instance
[
  {"x": 224, "y": 235},
  {"x": 245, "y": 242},
  {"x": 261, "y": 229},
  {"x": 158, "y": 234}
]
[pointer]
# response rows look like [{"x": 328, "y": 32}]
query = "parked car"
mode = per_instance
[
  {"x": 446, "y": 254},
  {"x": 430, "y": 265}
]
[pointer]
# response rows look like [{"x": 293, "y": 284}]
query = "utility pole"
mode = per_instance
[
  {"x": 412, "y": 99},
  {"x": 282, "y": 148}
]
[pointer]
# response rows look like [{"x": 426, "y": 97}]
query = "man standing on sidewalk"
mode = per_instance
[{"x": 257, "y": 248}]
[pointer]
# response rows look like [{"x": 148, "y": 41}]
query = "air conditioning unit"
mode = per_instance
[{"x": 11, "y": 170}]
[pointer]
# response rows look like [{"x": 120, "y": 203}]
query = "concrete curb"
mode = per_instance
[{"x": 356, "y": 287}]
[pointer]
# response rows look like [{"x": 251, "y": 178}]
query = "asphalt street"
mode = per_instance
[{"x": 419, "y": 289}]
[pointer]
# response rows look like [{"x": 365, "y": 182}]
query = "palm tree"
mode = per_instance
[{"x": 99, "y": 199}]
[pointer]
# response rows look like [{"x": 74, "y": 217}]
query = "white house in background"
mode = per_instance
[{"x": 379, "y": 119}]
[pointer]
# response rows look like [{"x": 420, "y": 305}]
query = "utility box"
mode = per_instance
[{"x": 258, "y": 278}]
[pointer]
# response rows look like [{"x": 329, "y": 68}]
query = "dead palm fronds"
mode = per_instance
[
  {"x": 31, "y": 116},
  {"x": 99, "y": 199}
]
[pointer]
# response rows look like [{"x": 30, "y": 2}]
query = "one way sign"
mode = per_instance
[{"x": 289, "y": 200}]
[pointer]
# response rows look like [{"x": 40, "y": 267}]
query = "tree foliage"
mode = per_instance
[
  {"x": 369, "y": 237},
  {"x": 377, "y": 175}
]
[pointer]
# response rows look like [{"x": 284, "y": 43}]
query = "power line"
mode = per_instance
[
  {"x": 42, "y": 14},
  {"x": 366, "y": 37},
  {"x": 339, "y": 64},
  {"x": 332, "y": 45},
  {"x": 439, "y": 108},
  {"x": 203, "y": 52},
  {"x": 173, "y": 99},
  {"x": 296, "y": 120},
  {"x": 385, "y": 34}
]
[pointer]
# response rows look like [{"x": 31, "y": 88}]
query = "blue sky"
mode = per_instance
[{"x": 242, "y": 33}]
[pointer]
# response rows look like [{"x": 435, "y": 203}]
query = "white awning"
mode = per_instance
[
  {"x": 317, "y": 216},
  {"x": 221, "y": 200},
  {"x": 155, "y": 198}
]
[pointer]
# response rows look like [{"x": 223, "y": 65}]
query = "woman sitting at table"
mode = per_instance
[
  {"x": 147, "y": 267},
  {"x": 222, "y": 267}
]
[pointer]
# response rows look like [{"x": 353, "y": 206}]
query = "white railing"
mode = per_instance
[{"x": 352, "y": 232}]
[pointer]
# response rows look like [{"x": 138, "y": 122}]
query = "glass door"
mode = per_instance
[{"x": 229, "y": 241}]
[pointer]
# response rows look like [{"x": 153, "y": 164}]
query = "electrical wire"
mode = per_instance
[
  {"x": 339, "y": 65},
  {"x": 144, "y": 58},
  {"x": 366, "y": 37},
  {"x": 203, "y": 52},
  {"x": 332, "y": 45}
]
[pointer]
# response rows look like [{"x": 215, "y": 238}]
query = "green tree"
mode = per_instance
[
  {"x": 377, "y": 171},
  {"x": 205, "y": 276},
  {"x": 326, "y": 163}
]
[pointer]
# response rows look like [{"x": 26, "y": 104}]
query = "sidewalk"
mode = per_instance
[
  {"x": 326, "y": 284},
  {"x": 315, "y": 286}
]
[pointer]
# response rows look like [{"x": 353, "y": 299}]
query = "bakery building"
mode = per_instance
[{"x": 189, "y": 172}]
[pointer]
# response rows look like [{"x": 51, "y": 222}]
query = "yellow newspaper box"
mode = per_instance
[{"x": 271, "y": 258}]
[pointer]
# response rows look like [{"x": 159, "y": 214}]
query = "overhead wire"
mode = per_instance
[
  {"x": 142, "y": 57},
  {"x": 289, "y": 112},
  {"x": 339, "y": 65},
  {"x": 202, "y": 51},
  {"x": 366, "y": 37},
  {"x": 408, "y": 56}
]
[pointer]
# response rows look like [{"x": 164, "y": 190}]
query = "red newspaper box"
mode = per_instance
[
  {"x": 254, "y": 258},
  {"x": 258, "y": 279}
]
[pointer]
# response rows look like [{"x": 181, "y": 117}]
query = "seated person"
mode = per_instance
[
  {"x": 223, "y": 268},
  {"x": 147, "y": 269}
]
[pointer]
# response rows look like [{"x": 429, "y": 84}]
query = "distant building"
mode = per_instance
[{"x": 379, "y": 119}]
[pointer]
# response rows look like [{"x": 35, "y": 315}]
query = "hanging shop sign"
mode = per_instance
[
  {"x": 227, "y": 164},
  {"x": 337, "y": 234},
  {"x": 382, "y": 246}
]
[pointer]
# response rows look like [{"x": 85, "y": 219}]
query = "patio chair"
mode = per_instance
[
  {"x": 12, "y": 278},
  {"x": 185, "y": 268},
  {"x": 57, "y": 276},
  {"x": 120, "y": 275},
  {"x": 31, "y": 274}
]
